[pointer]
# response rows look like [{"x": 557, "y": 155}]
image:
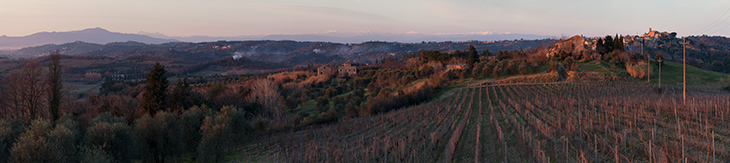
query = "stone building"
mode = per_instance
[
  {"x": 325, "y": 70},
  {"x": 347, "y": 70}
]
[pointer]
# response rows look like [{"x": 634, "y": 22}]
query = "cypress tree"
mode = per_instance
[
  {"x": 55, "y": 84},
  {"x": 621, "y": 46},
  {"x": 153, "y": 99},
  {"x": 618, "y": 43},
  {"x": 473, "y": 56},
  {"x": 599, "y": 46}
]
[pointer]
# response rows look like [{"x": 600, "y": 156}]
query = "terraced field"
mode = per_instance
[{"x": 547, "y": 122}]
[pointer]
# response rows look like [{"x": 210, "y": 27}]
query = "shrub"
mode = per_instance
[
  {"x": 215, "y": 141},
  {"x": 570, "y": 63},
  {"x": 497, "y": 72},
  {"x": 234, "y": 117},
  {"x": 329, "y": 93},
  {"x": 351, "y": 109},
  {"x": 10, "y": 129},
  {"x": 522, "y": 68},
  {"x": 114, "y": 139},
  {"x": 66, "y": 140},
  {"x": 171, "y": 131},
  {"x": 511, "y": 67},
  {"x": 553, "y": 65},
  {"x": 322, "y": 104},
  {"x": 70, "y": 142},
  {"x": 463, "y": 73},
  {"x": 190, "y": 122},
  {"x": 260, "y": 124},
  {"x": 562, "y": 74},
  {"x": 638, "y": 70},
  {"x": 158, "y": 137},
  {"x": 535, "y": 66},
  {"x": 70, "y": 122},
  {"x": 35, "y": 146},
  {"x": 218, "y": 133},
  {"x": 329, "y": 116},
  {"x": 295, "y": 119},
  {"x": 487, "y": 70},
  {"x": 322, "y": 118},
  {"x": 95, "y": 155}
]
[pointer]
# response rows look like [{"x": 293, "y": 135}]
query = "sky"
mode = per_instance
[{"x": 265, "y": 17}]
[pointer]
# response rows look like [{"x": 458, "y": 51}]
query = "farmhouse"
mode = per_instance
[
  {"x": 347, "y": 70},
  {"x": 325, "y": 70}
]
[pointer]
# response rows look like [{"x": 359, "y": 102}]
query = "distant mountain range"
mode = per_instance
[
  {"x": 91, "y": 35},
  {"x": 103, "y": 36},
  {"x": 360, "y": 37}
]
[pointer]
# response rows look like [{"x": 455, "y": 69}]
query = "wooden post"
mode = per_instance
[
  {"x": 648, "y": 62},
  {"x": 684, "y": 69}
]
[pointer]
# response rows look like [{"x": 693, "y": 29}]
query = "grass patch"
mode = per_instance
[
  {"x": 593, "y": 67},
  {"x": 310, "y": 107},
  {"x": 672, "y": 75}
]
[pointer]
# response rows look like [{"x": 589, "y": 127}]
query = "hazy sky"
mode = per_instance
[{"x": 252, "y": 17}]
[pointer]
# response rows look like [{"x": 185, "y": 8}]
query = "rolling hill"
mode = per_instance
[
  {"x": 91, "y": 35},
  {"x": 288, "y": 52}
]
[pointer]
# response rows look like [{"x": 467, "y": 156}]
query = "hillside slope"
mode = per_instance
[{"x": 696, "y": 77}]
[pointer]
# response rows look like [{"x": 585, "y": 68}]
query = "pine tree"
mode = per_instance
[
  {"x": 608, "y": 43},
  {"x": 485, "y": 52},
  {"x": 473, "y": 56},
  {"x": 153, "y": 99}
]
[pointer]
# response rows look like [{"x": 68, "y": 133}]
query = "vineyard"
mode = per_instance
[{"x": 548, "y": 122}]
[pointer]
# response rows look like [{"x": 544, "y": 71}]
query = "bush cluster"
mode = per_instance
[{"x": 197, "y": 133}]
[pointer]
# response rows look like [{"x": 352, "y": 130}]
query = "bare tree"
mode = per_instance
[
  {"x": 266, "y": 93},
  {"x": 55, "y": 84},
  {"x": 24, "y": 96}
]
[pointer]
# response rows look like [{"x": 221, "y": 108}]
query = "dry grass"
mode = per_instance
[{"x": 543, "y": 122}]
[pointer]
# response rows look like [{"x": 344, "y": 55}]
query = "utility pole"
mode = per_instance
[
  {"x": 648, "y": 62},
  {"x": 684, "y": 67},
  {"x": 659, "y": 61}
]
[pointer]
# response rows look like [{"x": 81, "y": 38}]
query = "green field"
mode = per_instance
[
  {"x": 696, "y": 77},
  {"x": 593, "y": 67}
]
